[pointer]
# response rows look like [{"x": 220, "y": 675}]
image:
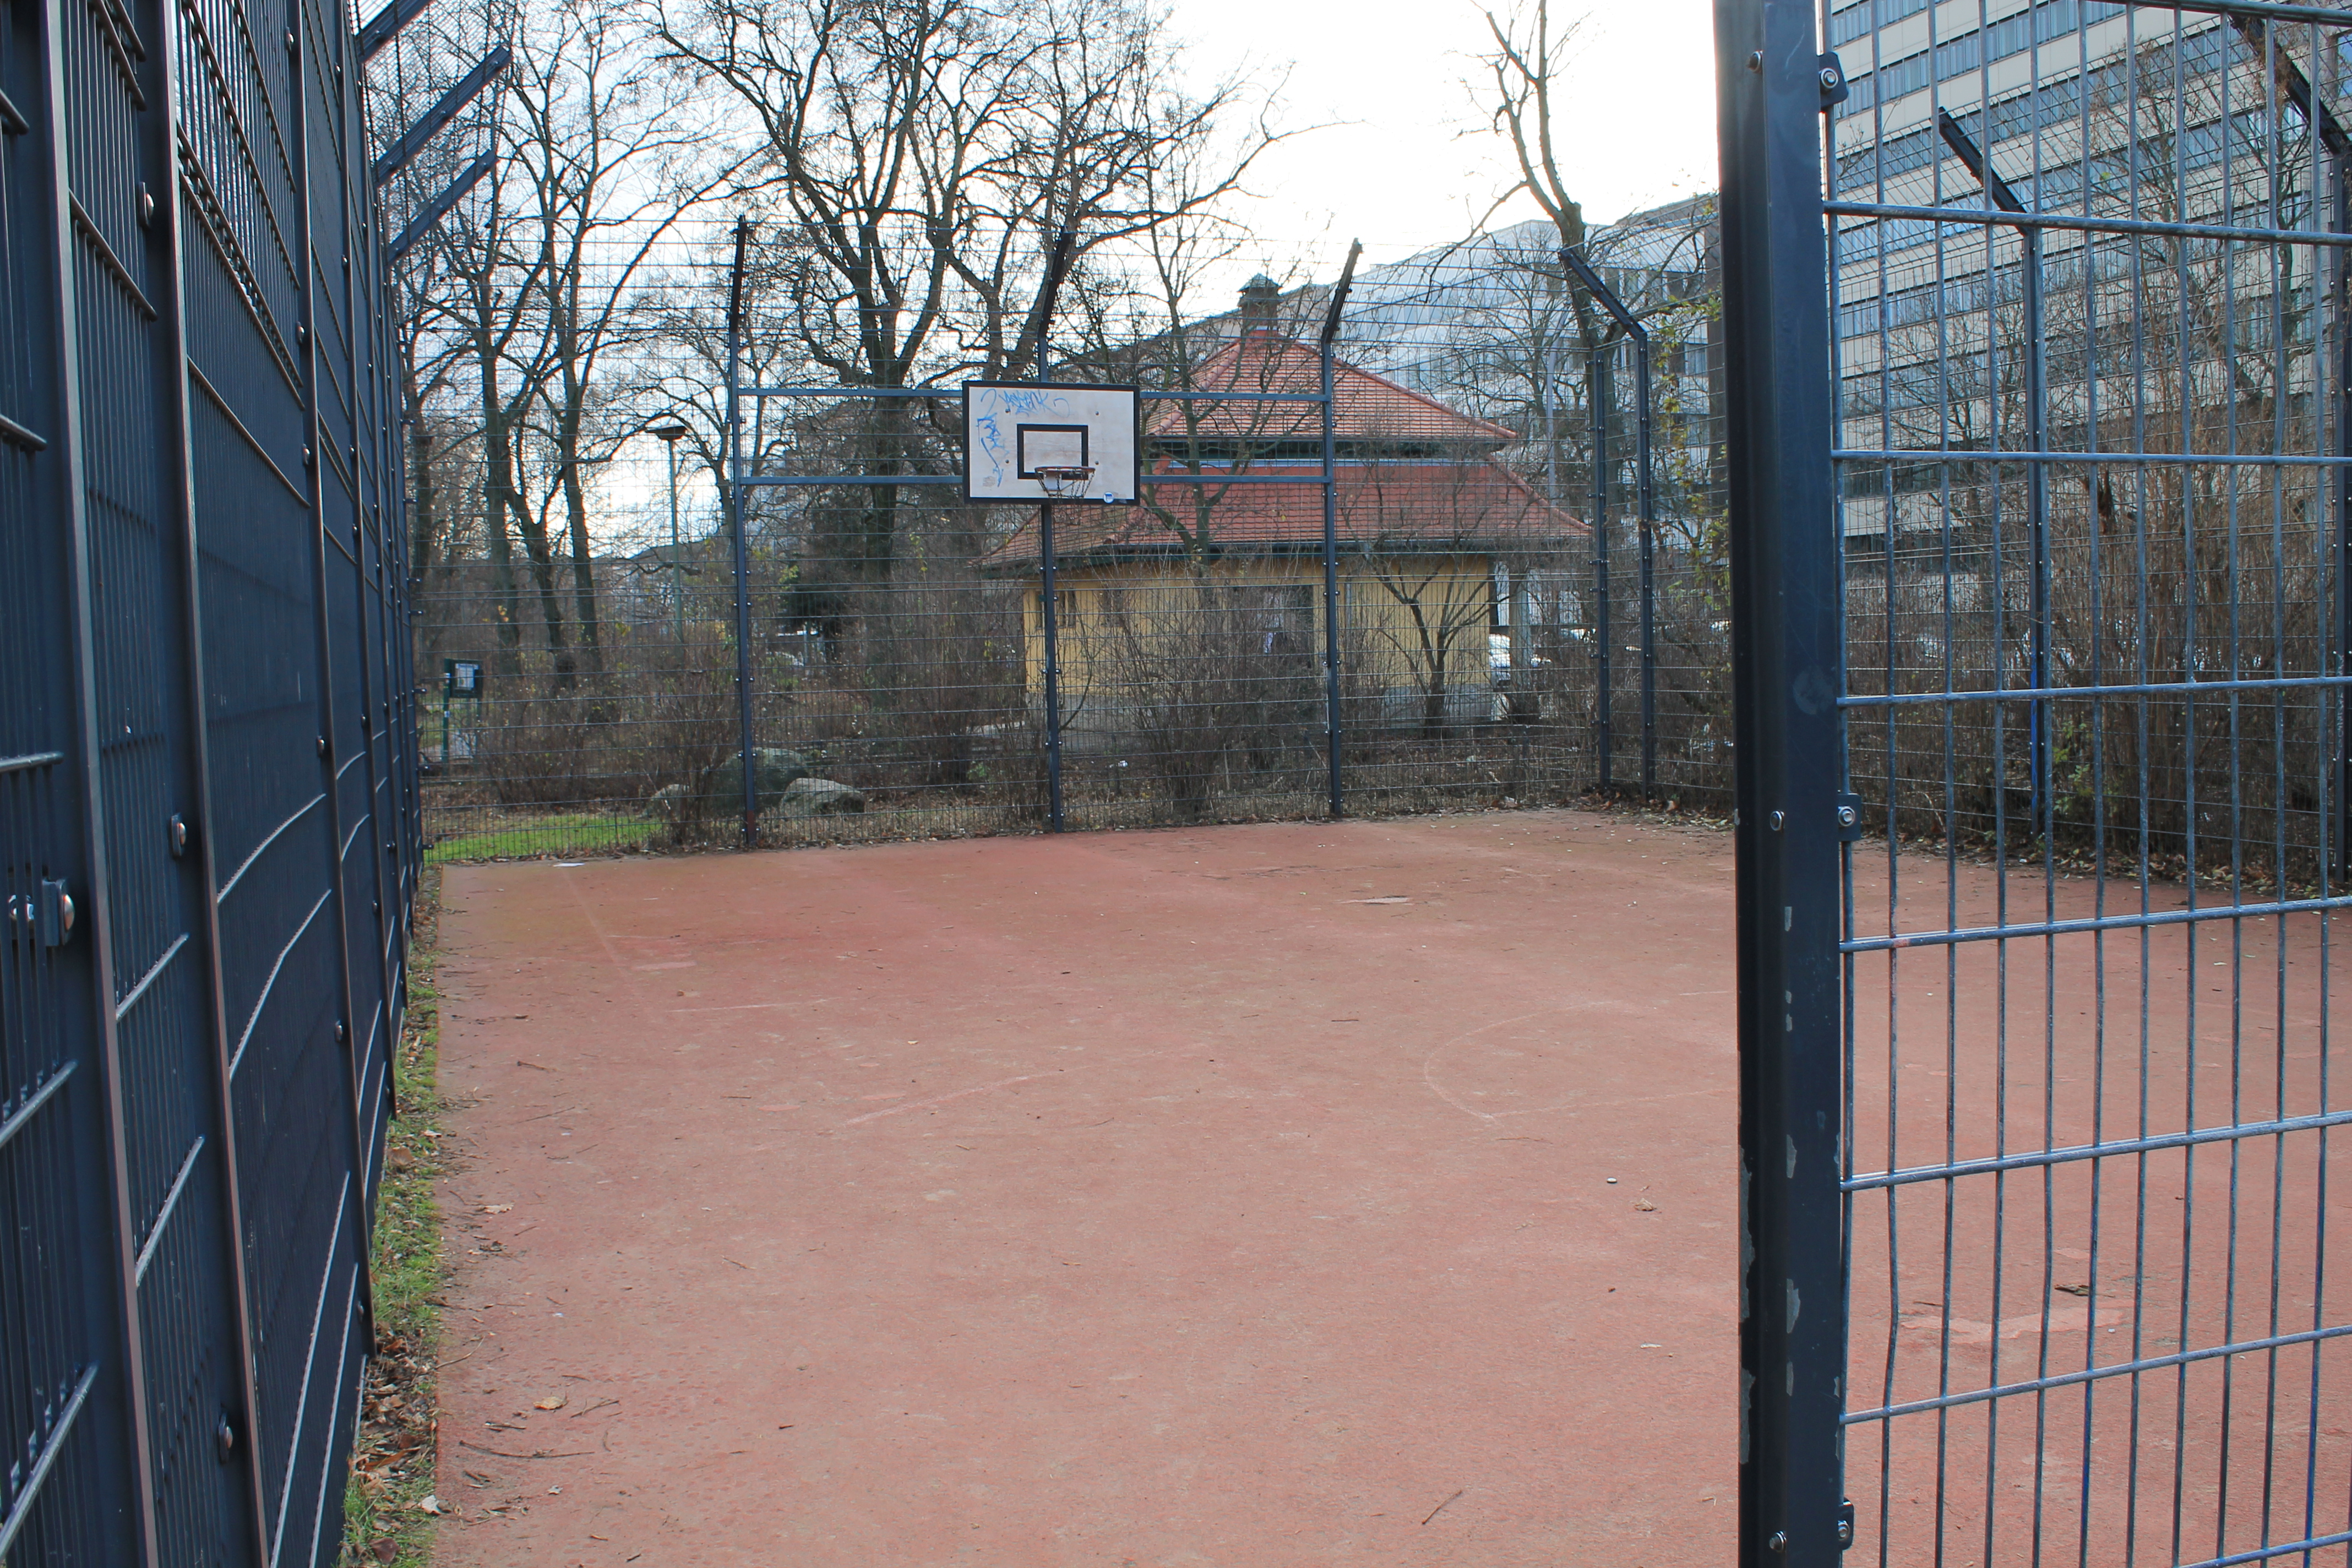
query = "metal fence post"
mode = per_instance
[
  {"x": 1645, "y": 510},
  {"x": 2340, "y": 294},
  {"x": 1331, "y": 538},
  {"x": 1603, "y": 633},
  {"x": 1057, "y": 267},
  {"x": 314, "y": 154},
  {"x": 1647, "y": 506},
  {"x": 2037, "y": 439},
  {"x": 120, "y": 1343},
  {"x": 1788, "y": 678},
  {"x": 742, "y": 558},
  {"x": 1649, "y": 662},
  {"x": 1052, "y": 671},
  {"x": 195, "y": 843},
  {"x": 1330, "y": 585}
]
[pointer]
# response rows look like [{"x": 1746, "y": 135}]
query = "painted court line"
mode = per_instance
[{"x": 942, "y": 1100}]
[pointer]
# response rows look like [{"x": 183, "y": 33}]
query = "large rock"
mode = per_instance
[
  {"x": 819, "y": 798},
  {"x": 721, "y": 791}
]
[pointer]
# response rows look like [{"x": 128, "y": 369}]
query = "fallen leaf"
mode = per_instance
[
  {"x": 496, "y": 1208},
  {"x": 432, "y": 1504},
  {"x": 553, "y": 1402},
  {"x": 1645, "y": 1205}
]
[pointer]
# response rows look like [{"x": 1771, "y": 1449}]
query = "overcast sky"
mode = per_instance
[{"x": 1408, "y": 161}]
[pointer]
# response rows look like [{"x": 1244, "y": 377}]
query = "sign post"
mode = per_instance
[{"x": 460, "y": 678}]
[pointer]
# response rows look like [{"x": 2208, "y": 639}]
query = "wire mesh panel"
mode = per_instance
[
  {"x": 2086, "y": 265},
  {"x": 66, "y": 1397},
  {"x": 579, "y": 644},
  {"x": 207, "y": 834}
]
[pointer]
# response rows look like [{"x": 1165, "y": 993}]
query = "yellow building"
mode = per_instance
[{"x": 1212, "y": 590}]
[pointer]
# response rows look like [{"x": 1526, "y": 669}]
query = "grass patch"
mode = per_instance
[
  {"x": 394, "y": 1456},
  {"x": 585, "y": 833}
]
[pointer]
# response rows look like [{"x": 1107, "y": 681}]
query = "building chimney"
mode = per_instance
[{"x": 1259, "y": 296}]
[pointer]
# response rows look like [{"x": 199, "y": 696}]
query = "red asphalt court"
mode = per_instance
[
  {"x": 1260, "y": 1195},
  {"x": 1232, "y": 1195}
]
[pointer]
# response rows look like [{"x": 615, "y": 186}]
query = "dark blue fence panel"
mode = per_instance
[
  {"x": 2040, "y": 442},
  {"x": 207, "y": 802}
]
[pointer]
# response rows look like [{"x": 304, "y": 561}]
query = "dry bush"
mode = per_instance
[
  {"x": 1200, "y": 681},
  {"x": 660, "y": 714},
  {"x": 2194, "y": 575}
]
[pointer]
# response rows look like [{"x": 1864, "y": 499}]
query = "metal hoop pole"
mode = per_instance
[{"x": 1052, "y": 674}]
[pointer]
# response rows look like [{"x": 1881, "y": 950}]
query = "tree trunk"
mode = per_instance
[
  {"x": 551, "y": 604},
  {"x": 575, "y": 506},
  {"x": 497, "y": 488}
]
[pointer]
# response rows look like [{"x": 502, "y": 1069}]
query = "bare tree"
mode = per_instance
[
  {"x": 443, "y": 452},
  {"x": 926, "y": 153},
  {"x": 2165, "y": 573},
  {"x": 1524, "y": 63},
  {"x": 611, "y": 158},
  {"x": 530, "y": 289}
]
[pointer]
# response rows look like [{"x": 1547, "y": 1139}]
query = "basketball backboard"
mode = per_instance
[{"x": 1012, "y": 429}]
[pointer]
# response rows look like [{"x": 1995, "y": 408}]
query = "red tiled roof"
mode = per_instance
[
  {"x": 1396, "y": 508},
  {"x": 1365, "y": 407}
]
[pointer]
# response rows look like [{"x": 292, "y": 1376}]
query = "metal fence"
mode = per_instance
[
  {"x": 207, "y": 817},
  {"x": 1434, "y": 546},
  {"x": 2045, "y": 307}
]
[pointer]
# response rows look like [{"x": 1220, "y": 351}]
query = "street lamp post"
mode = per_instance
[{"x": 669, "y": 435}]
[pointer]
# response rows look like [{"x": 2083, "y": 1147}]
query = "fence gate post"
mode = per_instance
[{"x": 1789, "y": 674}]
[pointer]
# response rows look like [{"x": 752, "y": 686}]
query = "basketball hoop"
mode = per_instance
[
  {"x": 1063, "y": 483},
  {"x": 1025, "y": 442}
]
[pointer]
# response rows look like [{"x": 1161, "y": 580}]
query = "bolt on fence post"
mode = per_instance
[
  {"x": 1788, "y": 677},
  {"x": 743, "y": 559}
]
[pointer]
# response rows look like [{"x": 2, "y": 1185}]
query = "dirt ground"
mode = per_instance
[
  {"x": 1265, "y": 1194},
  {"x": 1325, "y": 1194}
]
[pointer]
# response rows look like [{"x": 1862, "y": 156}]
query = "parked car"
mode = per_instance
[{"x": 1499, "y": 659}]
